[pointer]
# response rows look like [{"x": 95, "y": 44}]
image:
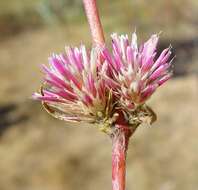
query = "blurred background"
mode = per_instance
[{"x": 38, "y": 152}]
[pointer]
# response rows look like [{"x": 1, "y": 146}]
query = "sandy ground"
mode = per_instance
[{"x": 38, "y": 152}]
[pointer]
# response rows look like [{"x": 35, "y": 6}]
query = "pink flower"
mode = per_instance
[
  {"x": 134, "y": 73},
  {"x": 73, "y": 90},
  {"x": 82, "y": 85}
]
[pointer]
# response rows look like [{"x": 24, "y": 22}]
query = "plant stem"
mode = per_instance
[
  {"x": 122, "y": 132},
  {"x": 95, "y": 25},
  {"x": 120, "y": 140}
]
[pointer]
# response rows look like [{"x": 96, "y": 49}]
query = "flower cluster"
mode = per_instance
[
  {"x": 96, "y": 86},
  {"x": 135, "y": 73},
  {"x": 73, "y": 89}
]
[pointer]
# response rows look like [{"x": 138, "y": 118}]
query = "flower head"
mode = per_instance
[
  {"x": 73, "y": 89},
  {"x": 134, "y": 73},
  {"x": 80, "y": 85}
]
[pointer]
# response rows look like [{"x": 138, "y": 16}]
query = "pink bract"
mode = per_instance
[
  {"x": 73, "y": 86},
  {"x": 134, "y": 73},
  {"x": 84, "y": 85}
]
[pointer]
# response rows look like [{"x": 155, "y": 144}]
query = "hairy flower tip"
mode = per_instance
[
  {"x": 73, "y": 89},
  {"x": 134, "y": 73}
]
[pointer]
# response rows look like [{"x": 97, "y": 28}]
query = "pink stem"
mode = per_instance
[
  {"x": 122, "y": 133},
  {"x": 120, "y": 139},
  {"x": 94, "y": 22}
]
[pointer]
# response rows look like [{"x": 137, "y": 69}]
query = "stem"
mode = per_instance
[
  {"x": 122, "y": 132},
  {"x": 94, "y": 22},
  {"x": 120, "y": 140}
]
